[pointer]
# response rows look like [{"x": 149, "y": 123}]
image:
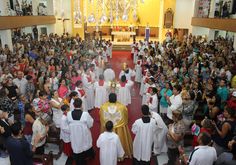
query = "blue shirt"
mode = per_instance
[
  {"x": 20, "y": 152},
  {"x": 223, "y": 92},
  {"x": 32, "y": 55},
  {"x": 21, "y": 107},
  {"x": 163, "y": 101}
]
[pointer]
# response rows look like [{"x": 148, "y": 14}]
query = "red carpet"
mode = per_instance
[{"x": 118, "y": 57}]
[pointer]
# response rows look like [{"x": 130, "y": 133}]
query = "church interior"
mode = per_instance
[{"x": 210, "y": 24}]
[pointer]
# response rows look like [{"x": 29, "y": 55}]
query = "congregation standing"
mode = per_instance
[{"x": 52, "y": 83}]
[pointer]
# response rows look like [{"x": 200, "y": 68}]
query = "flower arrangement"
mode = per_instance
[{"x": 138, "y": 20}]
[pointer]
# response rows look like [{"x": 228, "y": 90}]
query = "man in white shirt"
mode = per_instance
[
  {"x": 110, "y": 146},
  {"x": 3, "y": 56},
  {"x": 144, "y": 129},
  {"x": 109, "y": 74},
  {"x": 202, "y": 154},
  {"x": 21, "y": 82},
  {"x": 127, "y": 72},
  {"x": 174, "y": 101}
]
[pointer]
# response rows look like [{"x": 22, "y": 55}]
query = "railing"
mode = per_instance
[
  {"x": 11, "y": 22},
  {"x": 215, "y": 23}
]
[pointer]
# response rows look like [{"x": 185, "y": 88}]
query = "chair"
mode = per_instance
[
  {"x": 152, "y": 34},
  {"x": 104, "y": 33},
  {"x": 142, "y": 33},
  {"x": 45, "y": 159}
]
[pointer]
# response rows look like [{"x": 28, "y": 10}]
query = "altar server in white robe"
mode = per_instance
[
  {"x": 73, "y": 96},
  {"x": 97, "y": 67},
  {"x": 81, "y": 94},
  {"x": 88, "y": 88},
  {"x": 65, "y": 132},
  {"x": 92, "y": 73},
  {"x": 144, "y": 130},
  {"x": 136, "y": 53},
  {"x": 153, "y": 100},
  {"x": 101, "y": 94},
  {"x": 127, "y": 72},
  {"x": 80, "y": 123},
  {"x": 110, "y": 48},
  {"x": 132, "y": 49},
  {"x": 123, "y": 93},
  {"x": 146, "y": 90},
  {"x": 105, "y": 53},
  {"x": 145, "y": 78},
  {"x": 110, "y": 146},
  {"x": 160, "y": 134},
  {"x": 138, "y": 67},
  {"x": 109, "y": 74}
]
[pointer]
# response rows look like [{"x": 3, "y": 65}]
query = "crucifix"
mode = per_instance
[{"x": 63, "y": 21}]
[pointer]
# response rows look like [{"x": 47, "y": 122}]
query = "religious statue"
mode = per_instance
[{"x": 168, "y": 36}]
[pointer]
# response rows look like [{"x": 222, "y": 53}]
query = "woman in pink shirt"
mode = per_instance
[
  {"x": 63, "y": 91},
  {"x": 74, "y": 78}
]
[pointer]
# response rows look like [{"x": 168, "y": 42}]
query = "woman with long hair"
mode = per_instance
[
  {"x": 213, "y": 107},
  {"x": 6, "y": 104},
  {"x": 48, "y": 86},
  {"x": 74, "y": 78}
]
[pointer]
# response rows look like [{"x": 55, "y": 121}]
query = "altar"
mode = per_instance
[{"x": 122, "y": 36}]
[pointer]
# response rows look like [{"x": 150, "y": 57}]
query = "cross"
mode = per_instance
[{"x": 63, "y": 21}]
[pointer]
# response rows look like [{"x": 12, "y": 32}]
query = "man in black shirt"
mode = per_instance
[{"x": 19, "y": 148}]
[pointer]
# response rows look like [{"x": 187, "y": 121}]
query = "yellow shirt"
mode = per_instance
[{"x": 233, "y": 81}]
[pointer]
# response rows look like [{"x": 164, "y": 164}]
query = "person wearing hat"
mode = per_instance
[{"x": 232, "y": 102}]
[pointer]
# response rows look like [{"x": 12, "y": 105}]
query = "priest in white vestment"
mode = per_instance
[
  {"x": 110, "y": 48},
  {"x": 110, "y": 146},
  {"x": 101, "y": 94},
  {"x": 146, "y": 76},
  {"x": 88, "y": 88},
  {"x": 109, "y": 74},
  {"x": 127, "y": 72},
  {"x": 144, "y": 130},
  {"x": 80, "y": 123}
]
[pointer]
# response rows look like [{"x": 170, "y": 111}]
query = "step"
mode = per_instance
[{"x": 121, "y": 48}]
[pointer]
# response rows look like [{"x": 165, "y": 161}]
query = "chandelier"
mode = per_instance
[{"x": 116, "y": 8}]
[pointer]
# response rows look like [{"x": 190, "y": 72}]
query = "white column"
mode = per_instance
[
  {"x": 5, "y": 34},
  {"x": 34, "y": 7},
  {"x": 234, "y": 41},
  {"x": 4, "y": 7},
  {"x": 210, "y": 34},
  {"x": 195, "y": 12},
  {"x": 161, "y": 18},
  {"x": 212, "y": 9},
  {"x": 6, "y": 38}
]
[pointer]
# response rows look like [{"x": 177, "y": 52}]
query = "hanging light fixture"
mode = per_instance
[
  {"x": 55, "y": 7},
  {"x": 104, "y": 17},
  {"x": 62, "y": 10},
  {"x": 125, "y": 16},
  {"x": 85, "y": 18}
]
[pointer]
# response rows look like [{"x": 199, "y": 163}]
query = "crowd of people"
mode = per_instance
[{"x": 52, "y": 83}]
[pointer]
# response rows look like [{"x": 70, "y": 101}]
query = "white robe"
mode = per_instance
[
  {"x": 160, "y": 135},
  {"x": 104, "y": 55},
  {"x": 109, "y": 74},
  {"x": 110, "y": 148},
  {"x": 110, "y": 49},
  {"x": 97, "y": 70},
  {"x": 64, "y": 133},
  {"x": 128, "y": 75},
  {"x": 101, "y": 94},
  {"x": 138, "y": 67},
  {"x": 146, "y": 96},
  {"x": 88, "y": 88},
  {"x": 144, "y": 133},
  {"x": 123, "y": 93},
  {"x": 57, "y": 113},
  {"x": 80, "y": 134},
  {"x": 142, "y": 80},
  {"x": 84, "y": 101},
  {"x": 153, "y": 106}
]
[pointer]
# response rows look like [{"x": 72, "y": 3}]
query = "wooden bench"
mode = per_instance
[{"x": 45, "y": 159}]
